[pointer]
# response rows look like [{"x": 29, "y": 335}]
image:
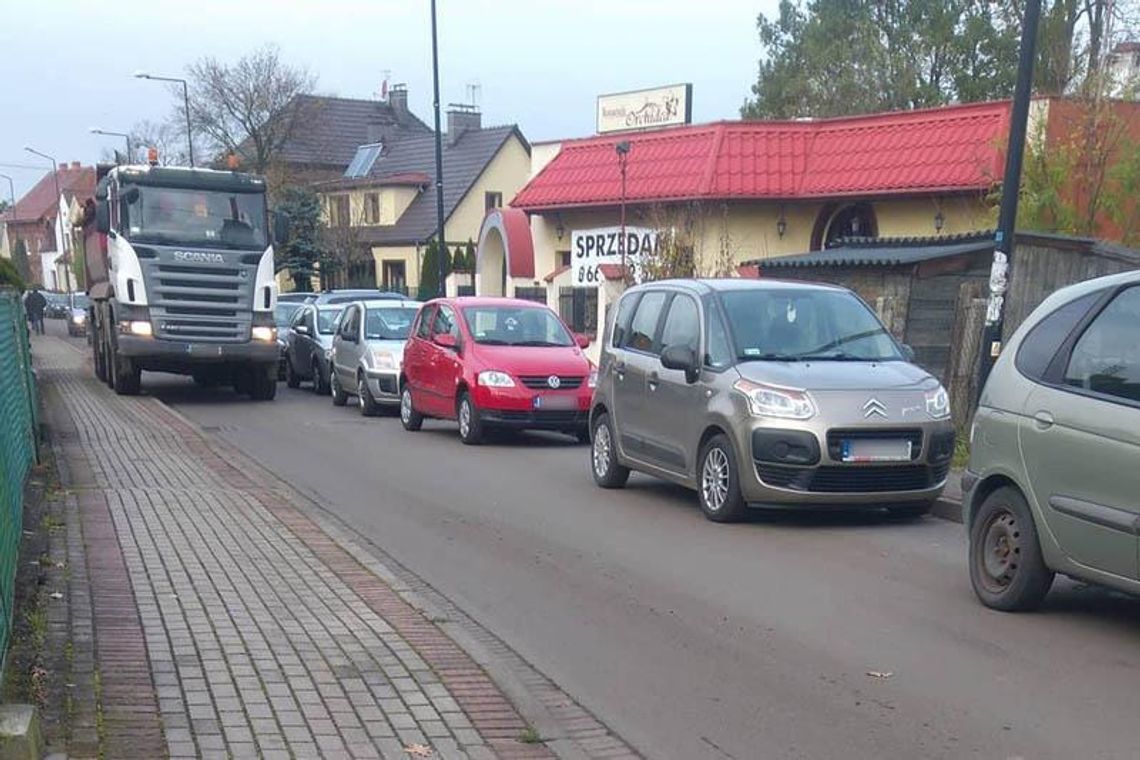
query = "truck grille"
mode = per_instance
[{"x": 200, "y": 302}]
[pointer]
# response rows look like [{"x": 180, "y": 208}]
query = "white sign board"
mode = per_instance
[
  {"x": 645, "y": 109},
  {"x": 589, "y": 249}
]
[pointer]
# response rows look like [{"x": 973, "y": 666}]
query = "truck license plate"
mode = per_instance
[{"x": 885, "y": 450}]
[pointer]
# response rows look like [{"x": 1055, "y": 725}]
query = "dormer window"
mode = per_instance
[{"x": 363, "y": 160}]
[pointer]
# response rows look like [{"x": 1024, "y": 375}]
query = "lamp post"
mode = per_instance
[
  {"x": 12, "y": 194},
  {"x": 439, "y": 157},
  {"x": 622, "y": 149},
  {"x": 59, "y": 220},
  {"x": 185, "y": 102},
  {"x": 124, "y": 135}
]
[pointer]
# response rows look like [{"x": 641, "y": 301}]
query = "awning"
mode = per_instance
[{"x": 884, "y": 252}]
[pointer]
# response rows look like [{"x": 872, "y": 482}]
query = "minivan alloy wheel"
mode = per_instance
[
  {"x": 715, "y": 479},
  {"x": 603, "y": 451}
]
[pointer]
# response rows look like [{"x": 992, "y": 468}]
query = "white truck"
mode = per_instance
[{"x": 182, "y": 280}]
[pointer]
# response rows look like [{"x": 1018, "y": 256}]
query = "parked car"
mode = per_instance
[
  {"x": 77, "y": 321},
  {"x": 283, "y": 315},
  {"x": 308, "y": 347},
  {"x": 495, "y": 363},
  {"x": 1052, "y": 482},
  {"x": 296, "y": 298},
  {"x": 57, "y": 306},
  {"x": 348, "y": 296},
  {"x": 368, "y": 353},
  {"x": 767, "y": 393}
]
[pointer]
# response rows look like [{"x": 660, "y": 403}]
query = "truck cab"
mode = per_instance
[{"x": 184, "y": 281}]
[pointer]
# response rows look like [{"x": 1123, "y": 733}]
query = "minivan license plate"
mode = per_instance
[{"x": 880, "y": 450}]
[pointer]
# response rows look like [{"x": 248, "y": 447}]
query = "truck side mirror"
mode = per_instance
[
  {"x": 280, "y": 228},
  {"x": 102, "y": 217}
]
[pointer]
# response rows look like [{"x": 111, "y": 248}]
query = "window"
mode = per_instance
[
  {"x": 395, "y": 276},
  {"x": 643, "y": 329},
  {"x": 719, "y": 353},
  {"x": 1047, "y": 336},
  {"x": 174, "y": 216},
  {"x": 621, "y": 321},
  {"x": 339, "y": 215},
  {"x": 423, "y": 329},
  {"x": 372, "y": 208},
  {"x": 388, "y": 323},
  {"x": 349, "y": 324},
  {"x": 327, "y": 320},
  {"x": 1106, "y": 358},
  {"x": 492, "y": 200},
  {"x": 563, "y": 258},
  {"x": 302, "y": 317},
  {"x": 445, "y": 322},
  {"x": 683, "y": 324}
]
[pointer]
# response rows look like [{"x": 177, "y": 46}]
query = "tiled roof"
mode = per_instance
[
  {"x": 331, "y": 129},
  {"x": 955, "y": 148},
  {"x": 413, "y": 156},
  {"x": 40, "y": 202},
  {"x": 885, "y": 251}
]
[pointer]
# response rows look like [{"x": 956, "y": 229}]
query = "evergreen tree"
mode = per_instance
[
  {"x": 429, "y": 271},
  {"x": 20, "y": 258},
  {"x": 302, "y": 251}
]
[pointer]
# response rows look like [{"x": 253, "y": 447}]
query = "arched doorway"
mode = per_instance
[
  {"x": 838, "y": 221},
  {"x": 505, "y": 250}
]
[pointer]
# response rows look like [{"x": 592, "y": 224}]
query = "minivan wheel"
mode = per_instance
[
  {"x": 411, "y": 419},
  {"x": 718, "y": 483},
  {"x": 603, "y": 456},
  {"x": 1006, "y": 567},
  {"x": 339, "y": 397},
  {"x": 470, "y": 424}
]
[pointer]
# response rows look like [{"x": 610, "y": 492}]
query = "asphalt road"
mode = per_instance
[{"x": 695, "y": 640}]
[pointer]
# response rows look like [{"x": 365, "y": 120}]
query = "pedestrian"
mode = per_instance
[{"x": 35, "y": 303}]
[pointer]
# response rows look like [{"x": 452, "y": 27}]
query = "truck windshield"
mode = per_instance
[{"x": 176, "y": 216}]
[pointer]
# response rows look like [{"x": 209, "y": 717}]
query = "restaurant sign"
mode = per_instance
[
  {"x": 645, "y": 109},
  {"x": 590, "y": 249}
]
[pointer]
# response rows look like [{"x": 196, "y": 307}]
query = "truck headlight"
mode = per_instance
[
  {"x": 938, "y": 403},
  {"x": 264, "y": 333},
  {"x": 493, "y": 378},
  {"x": 137, "y": 327},
  {"x": 774, "y": 401},
  {"x": 382, "y": 359}
]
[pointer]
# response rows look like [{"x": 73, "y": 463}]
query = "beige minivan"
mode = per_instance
[{"x": 1053, "y": 484}]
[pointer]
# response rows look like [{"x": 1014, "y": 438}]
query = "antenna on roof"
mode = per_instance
[
  {"x": 474, "y": 92},
  {"x": 382, "y": 95}
]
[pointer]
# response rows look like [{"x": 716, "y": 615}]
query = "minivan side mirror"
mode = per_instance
[
  {"x": 682, "y": 358},
  {"x": 582, "y": 340},
  {"x": 102, "y": 217},
  {"x": 908, "y": 353}
]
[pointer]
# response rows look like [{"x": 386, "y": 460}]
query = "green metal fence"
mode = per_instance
[{"x": 18, "y": 434}]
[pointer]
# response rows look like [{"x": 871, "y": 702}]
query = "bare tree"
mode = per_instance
[
  {"x": 248, "y": 108},
  {"x": 167, "y": 137}
]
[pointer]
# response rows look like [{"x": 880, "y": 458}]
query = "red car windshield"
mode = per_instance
[{"x": 515, "y": 326}]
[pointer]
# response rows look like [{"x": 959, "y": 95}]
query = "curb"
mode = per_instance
[{"x": 947, "y": 509}]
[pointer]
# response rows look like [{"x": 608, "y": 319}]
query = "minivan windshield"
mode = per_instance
[
  {"x": 208, "y": 218},
  {"x": 801, "y": 325},
  {"x": 516, "y": 326},
  {"x": 388, "y": 323}
]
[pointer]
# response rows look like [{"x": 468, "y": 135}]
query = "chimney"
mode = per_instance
[
  {"x": 398, "y": 101},
  {"x": 460, "y": 118}
]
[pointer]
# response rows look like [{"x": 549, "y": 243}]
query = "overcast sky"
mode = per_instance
[{"x": 66, "y": 65}]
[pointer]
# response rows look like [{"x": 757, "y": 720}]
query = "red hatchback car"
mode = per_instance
[{"x": 495, "y": 363}]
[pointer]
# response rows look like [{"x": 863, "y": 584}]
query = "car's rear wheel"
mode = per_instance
[
  {"x": 411, "y": 419},
  {"x": 320, "y": 384},
  {"x": 718, "y": 483},
  {"x": 291, "y": 377},
  {"x": 603, "y": 456},
  {"x": 470, "y": 423},
  {"x": 368, "y": 405},
  {"x": 339, "y": 397},
  {"x": 1007, "y": 569}
]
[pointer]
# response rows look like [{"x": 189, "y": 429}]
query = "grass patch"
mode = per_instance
[
  {"x": 961, "y": 453},
  {"x": 530, "y": 736},
  {"x": 51, "y": 523}
]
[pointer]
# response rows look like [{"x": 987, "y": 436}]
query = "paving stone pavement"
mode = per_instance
[{"x": 228, "y": 624}]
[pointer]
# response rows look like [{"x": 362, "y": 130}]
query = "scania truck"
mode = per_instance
[{"x": 183, "y": 278}]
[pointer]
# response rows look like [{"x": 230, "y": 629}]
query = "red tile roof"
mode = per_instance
[
  {"x": 40, "y": 202},
  {"x": 955, "y": 148}
]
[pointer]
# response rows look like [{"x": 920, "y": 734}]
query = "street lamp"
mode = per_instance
[
  {"x": 622, "y": 149},
  {"x": 124, "y": 135},
  {"x": 185, "y": 102},
  {"x": 12, "y": 193},
  {"x": 59, "y": 220}
]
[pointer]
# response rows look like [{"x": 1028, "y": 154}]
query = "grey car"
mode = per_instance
[
  {"x": 308, "y": 347},
  {"x": 1053, "y": 484},
  {"x": 368, "y": 353},
  {"x": 767, "y": 393}
]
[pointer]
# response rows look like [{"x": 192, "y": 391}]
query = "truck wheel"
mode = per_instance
[
  {"x": 126, "y": 376},
  {"x": 263, "y": 383},
  {"x": 97, "y": 359},
  {"x": 368, "y": 405}
]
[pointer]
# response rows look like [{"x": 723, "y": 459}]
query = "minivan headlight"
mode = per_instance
[
  {"x": 493, "y": 378},
  {"x": 938, "y": 403},
  {"x": 774, "y": 401}
]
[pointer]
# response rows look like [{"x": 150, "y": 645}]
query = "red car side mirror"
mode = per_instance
[{"x": 583, "y": 341}]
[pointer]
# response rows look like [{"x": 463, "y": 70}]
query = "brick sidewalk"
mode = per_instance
[{"x": 228, "y": 624}]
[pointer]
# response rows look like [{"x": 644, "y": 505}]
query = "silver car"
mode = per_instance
[
  {"x": 1053, "y": 484},
  {"x": 368, "y": 353},
  {"x": 767, "y": 393}
]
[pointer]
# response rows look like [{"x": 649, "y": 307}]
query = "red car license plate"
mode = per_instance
[{"x": 555, "y": 402}]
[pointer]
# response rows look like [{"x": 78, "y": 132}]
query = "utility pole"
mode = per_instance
[
  {"x": 185, "y": 104},
  {"x": 1010, "y": 188},
  {"x": 622, "y": 150},
  {"x": 59, "y": 222},
  {"x": 440, "y": 238}
]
